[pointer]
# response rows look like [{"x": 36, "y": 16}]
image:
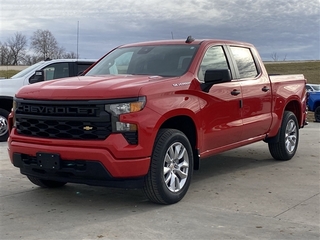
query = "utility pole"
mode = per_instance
[{"x": 78, "y": 40}]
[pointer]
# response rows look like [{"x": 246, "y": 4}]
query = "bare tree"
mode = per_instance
[
  {"x": 4, "y": 54},
  {"x": 69, "y": 55},
  {"x": 30, "y": 59},
  {"x": 17, "y": 45},
  {"x": 285, "y": 58},
  {"x": 274, "y": 56},
  {"x": 44, "y": 44},
  {"x": 59, "y": 52}
]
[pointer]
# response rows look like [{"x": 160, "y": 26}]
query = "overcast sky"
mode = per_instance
[{"x": 289, "y": 28}]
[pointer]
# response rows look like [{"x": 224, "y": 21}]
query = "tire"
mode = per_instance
[
  {"x": 317, "y": 114},
  {"x": 287, "y": 145},
  {"x": 45, "y": 183},
  {"x": 171, "y": 168},
  {"x": 4, "y": 129}
]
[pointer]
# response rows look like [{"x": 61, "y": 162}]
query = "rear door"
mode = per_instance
[{"x": 256, "y": 93}]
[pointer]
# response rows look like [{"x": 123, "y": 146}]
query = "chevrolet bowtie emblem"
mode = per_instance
[{"x": 87, "y": 128}]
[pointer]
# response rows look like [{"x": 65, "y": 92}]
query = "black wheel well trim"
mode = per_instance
[
  {"x": 186, "y": 125},
  {"x": 316, "y": 104},
  {"x": 276, "y": 138},
  {"x": 6, "y": 103}
]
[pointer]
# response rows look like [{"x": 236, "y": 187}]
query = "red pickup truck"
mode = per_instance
[{"x": 146, "y": 113}]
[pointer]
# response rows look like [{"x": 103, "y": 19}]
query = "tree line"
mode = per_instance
[{"x": 42, "y": 45}]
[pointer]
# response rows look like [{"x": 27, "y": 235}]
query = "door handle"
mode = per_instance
[
  {"x": 235, "y": 92},
  {"x": 265, "y": 89}
]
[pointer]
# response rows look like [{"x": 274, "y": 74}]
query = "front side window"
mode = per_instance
[
  {"x": 56, "y": 70},
  {"x": 81, "y": 67},
  {"x": 160, "y": 60},
  {"x": 245, "y": 62},
  {"x": 213, "y": 59}
]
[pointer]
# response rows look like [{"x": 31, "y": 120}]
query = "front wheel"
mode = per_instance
[
  {"x": 287, "y": 145},
  {"x": 171, "y": 168},
  {"x": 317, "y": 114},
  {"x": 45, "y": 183}
]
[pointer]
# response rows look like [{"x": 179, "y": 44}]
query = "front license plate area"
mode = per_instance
[{"x": 48, "y": 160}]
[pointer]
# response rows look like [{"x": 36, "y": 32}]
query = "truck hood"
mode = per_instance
[
  {"x": 88, "y": 87},
  {"x": 9, "y": 87}
]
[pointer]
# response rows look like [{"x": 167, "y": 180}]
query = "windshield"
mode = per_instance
[
  {"x": 27, "y": 70},
  {"x": 163, "y": 60}
]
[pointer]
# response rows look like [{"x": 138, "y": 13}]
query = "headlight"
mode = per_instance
[
  {"x": 117, "y": 109},
  {"x": 127, "y": 107}
]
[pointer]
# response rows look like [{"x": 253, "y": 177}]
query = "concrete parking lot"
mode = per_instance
[{"x": 240, "y": 194}]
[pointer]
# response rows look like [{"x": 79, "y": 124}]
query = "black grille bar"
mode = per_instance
[{"x": 63, "y": 119}]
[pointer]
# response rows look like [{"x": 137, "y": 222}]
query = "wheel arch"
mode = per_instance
[
  {"x": 6, "y": 103},
  {"x": 316, "y": 104},
  {"x": 293, "y": 106},
  {"x": 288, "y": 138},
  {"x": 186, "y": 125}
]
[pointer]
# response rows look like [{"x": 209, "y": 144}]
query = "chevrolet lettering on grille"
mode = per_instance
[{"x": 56, "y": 109}]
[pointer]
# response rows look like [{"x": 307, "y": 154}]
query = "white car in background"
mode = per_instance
[
  {"x": 41, "y": 71},
  {"x": 313, "y": 87}
]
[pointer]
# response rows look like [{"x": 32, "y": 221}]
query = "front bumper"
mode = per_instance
[
  {"x": 81, "y": 171},
  {"x": 89, "y": 162}
]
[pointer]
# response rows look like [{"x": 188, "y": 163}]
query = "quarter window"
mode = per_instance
[{"x": 245, "y": 62}]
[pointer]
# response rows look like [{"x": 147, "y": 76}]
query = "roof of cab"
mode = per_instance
[{"x": 183, "y": 41}]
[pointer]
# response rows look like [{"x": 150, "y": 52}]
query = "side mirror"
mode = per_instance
[
  {"x": 37, "y": 77},
  {"x": 215, "y": 76}
]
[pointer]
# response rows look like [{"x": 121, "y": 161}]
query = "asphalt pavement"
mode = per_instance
[{"x": 239, "y": 194}]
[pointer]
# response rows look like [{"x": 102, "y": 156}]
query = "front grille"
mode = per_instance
[{"x": 63, "y": 119}]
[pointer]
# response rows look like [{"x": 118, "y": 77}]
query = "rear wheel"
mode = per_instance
[
  {"x": 4, "y": 129},
  {"x": 171, "y": 168},
  {"x": 287, "y": 145},
  {"x": 46, "y": 183},
  {"x": 317, "y": 114}
]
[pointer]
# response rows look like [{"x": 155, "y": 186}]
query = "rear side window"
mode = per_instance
[{"x": 245, "y": 62}]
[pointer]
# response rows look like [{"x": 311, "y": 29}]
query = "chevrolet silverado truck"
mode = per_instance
[
  {"x": 313, "y": 104},
  {"x": 44, "y": 70},
  {"x": 145, "y": 114}
]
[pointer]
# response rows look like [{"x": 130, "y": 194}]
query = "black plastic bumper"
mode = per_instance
[{"x": 77, "y": 171}]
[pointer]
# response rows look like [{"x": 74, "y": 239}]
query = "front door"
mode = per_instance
[{"x": 221, "y": 117}]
